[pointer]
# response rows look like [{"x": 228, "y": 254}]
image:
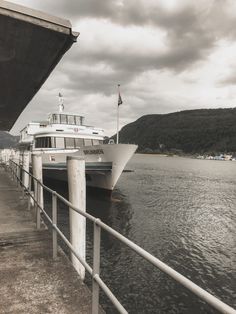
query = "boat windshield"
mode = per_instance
[{"x": 57, "y": 118}]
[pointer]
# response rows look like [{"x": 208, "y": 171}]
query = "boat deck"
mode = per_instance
[{"x": 30, "y": 281}]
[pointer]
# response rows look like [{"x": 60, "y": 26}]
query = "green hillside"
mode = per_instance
[{"x": 190, "y": 131}]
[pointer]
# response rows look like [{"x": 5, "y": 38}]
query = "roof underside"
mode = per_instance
[{"x": 31, "y": 45}]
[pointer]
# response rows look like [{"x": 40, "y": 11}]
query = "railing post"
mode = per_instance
[
  {"x": 29, "y": 192},
  {"x": 35, "y": 197},
  {"x": 96, "y": 266},
  {"x": 18, "y": 173},
  {"x": 54, "y": 223},
  {"x": 77, "y": 196},
  {"x": 38, "y": 218},
  {"x": 22, "y": 184},
  {"x": 15, "y": 171},
  {"x": 11, "y": 170}
]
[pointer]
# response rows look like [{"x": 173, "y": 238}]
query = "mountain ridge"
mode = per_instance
[
  {"x": 7, "y": 140},
  {"x": 188, "y": 131}
]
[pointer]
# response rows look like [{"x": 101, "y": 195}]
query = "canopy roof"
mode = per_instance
[{"x": 31, "y": 45}]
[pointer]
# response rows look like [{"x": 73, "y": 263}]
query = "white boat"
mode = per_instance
[{"x": 65, "y": 134}]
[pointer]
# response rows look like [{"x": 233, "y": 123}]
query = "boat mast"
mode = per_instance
[{"x": 61, "y": 103}]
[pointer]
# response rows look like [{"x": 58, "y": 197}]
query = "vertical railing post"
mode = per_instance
[
  {"x": 15, "y": 172},
  {"x": 38, "y": 218},
  {"x": 18, "y": 173},
  {"x": 22, "y": 183},
  {"x": 96, "y": 266},
  {"x": 54, "y": 224},
  {"x": 10, "y": 166},
  {"x": 12, "y": 170},
  {"x": 35, "y": 197},
  {"x": 29, "y": 192}
]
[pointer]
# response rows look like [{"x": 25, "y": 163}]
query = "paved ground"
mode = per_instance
[{"x": 30, "y": 281}]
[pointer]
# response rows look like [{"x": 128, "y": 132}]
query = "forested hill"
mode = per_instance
[
  {"x": 191, "y": 131},
  {"x": 7, "y": 140}
]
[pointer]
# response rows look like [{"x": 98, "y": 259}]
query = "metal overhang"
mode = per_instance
[{"x": 31, "y": 45}]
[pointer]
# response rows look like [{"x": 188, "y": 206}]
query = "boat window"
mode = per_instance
[
  {"x": 60, "y": 143},
  {"x": 53, "y": 142},
  {"x": 48, "y": 142},
  {"x": 79, "y": 142},
  {"x": 63, "y": 118},
  {"x": 70, "y": 142},
  {"x": 87, "y": 142},
  {"x": 95, "y": 142},
  {"x": 71, "y": 119},
  {"x": 55, "y": 118},
  {"x": 38, "y": 143},
  {"x": 77, "y": 120},
  {"x": 43, "y": 142}
]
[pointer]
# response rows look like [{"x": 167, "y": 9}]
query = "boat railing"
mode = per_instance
[{"x": 16, "y": 172}]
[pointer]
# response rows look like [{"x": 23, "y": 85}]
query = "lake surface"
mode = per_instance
[{"x": 181, "y": 210}]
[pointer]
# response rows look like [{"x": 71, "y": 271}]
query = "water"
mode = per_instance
[{"x": 183, "y": 212}]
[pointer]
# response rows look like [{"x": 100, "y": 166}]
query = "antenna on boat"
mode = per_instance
[{"x": 61, "y": 102}]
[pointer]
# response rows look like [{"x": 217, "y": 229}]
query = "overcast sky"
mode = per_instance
[{"x": 168, "y": 55}]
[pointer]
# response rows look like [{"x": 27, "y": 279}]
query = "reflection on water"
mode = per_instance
[{"x": 183, "y": 212}]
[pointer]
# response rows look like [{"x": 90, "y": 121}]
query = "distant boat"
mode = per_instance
[{"x": 65, "y": 134}]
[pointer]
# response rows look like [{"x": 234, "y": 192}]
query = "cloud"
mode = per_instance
[
  {"x": 189, "y": 31},
  {"x": 163, "y": 53},
  {"x": 229, "y": 80},
  {"x": 98, "y": 62}
]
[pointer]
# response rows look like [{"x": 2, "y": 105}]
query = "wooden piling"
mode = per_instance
[{"x": 77, "y": 196}]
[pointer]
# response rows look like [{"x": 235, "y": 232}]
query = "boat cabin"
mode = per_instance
[{"x": 61, "y": 131}]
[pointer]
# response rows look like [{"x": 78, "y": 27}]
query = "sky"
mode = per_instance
[{"x": 167, "y": 55}]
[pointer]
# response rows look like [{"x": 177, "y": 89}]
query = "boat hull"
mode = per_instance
[{"x": 103, "y": 163}]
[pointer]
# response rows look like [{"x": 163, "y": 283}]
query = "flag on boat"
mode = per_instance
[{"x": 120, "y": 102}]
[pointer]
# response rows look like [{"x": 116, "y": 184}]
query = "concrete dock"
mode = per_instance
[{"x": 30, "y": 281}]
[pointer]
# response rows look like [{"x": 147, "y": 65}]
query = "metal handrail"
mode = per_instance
[{"x": 94, "y": 272}]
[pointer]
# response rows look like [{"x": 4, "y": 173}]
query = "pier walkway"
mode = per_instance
[{"x": 30, "y": 281}]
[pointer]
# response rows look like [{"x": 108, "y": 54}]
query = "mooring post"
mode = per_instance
[
  {"x": 38, "y": 189},
  {"x": 77, "y": 196}
]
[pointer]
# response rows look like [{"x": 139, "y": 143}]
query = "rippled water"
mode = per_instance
[{"x": 181, "y": 210}]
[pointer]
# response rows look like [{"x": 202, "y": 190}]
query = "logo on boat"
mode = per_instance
[{"x": 93, "y": 151}]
